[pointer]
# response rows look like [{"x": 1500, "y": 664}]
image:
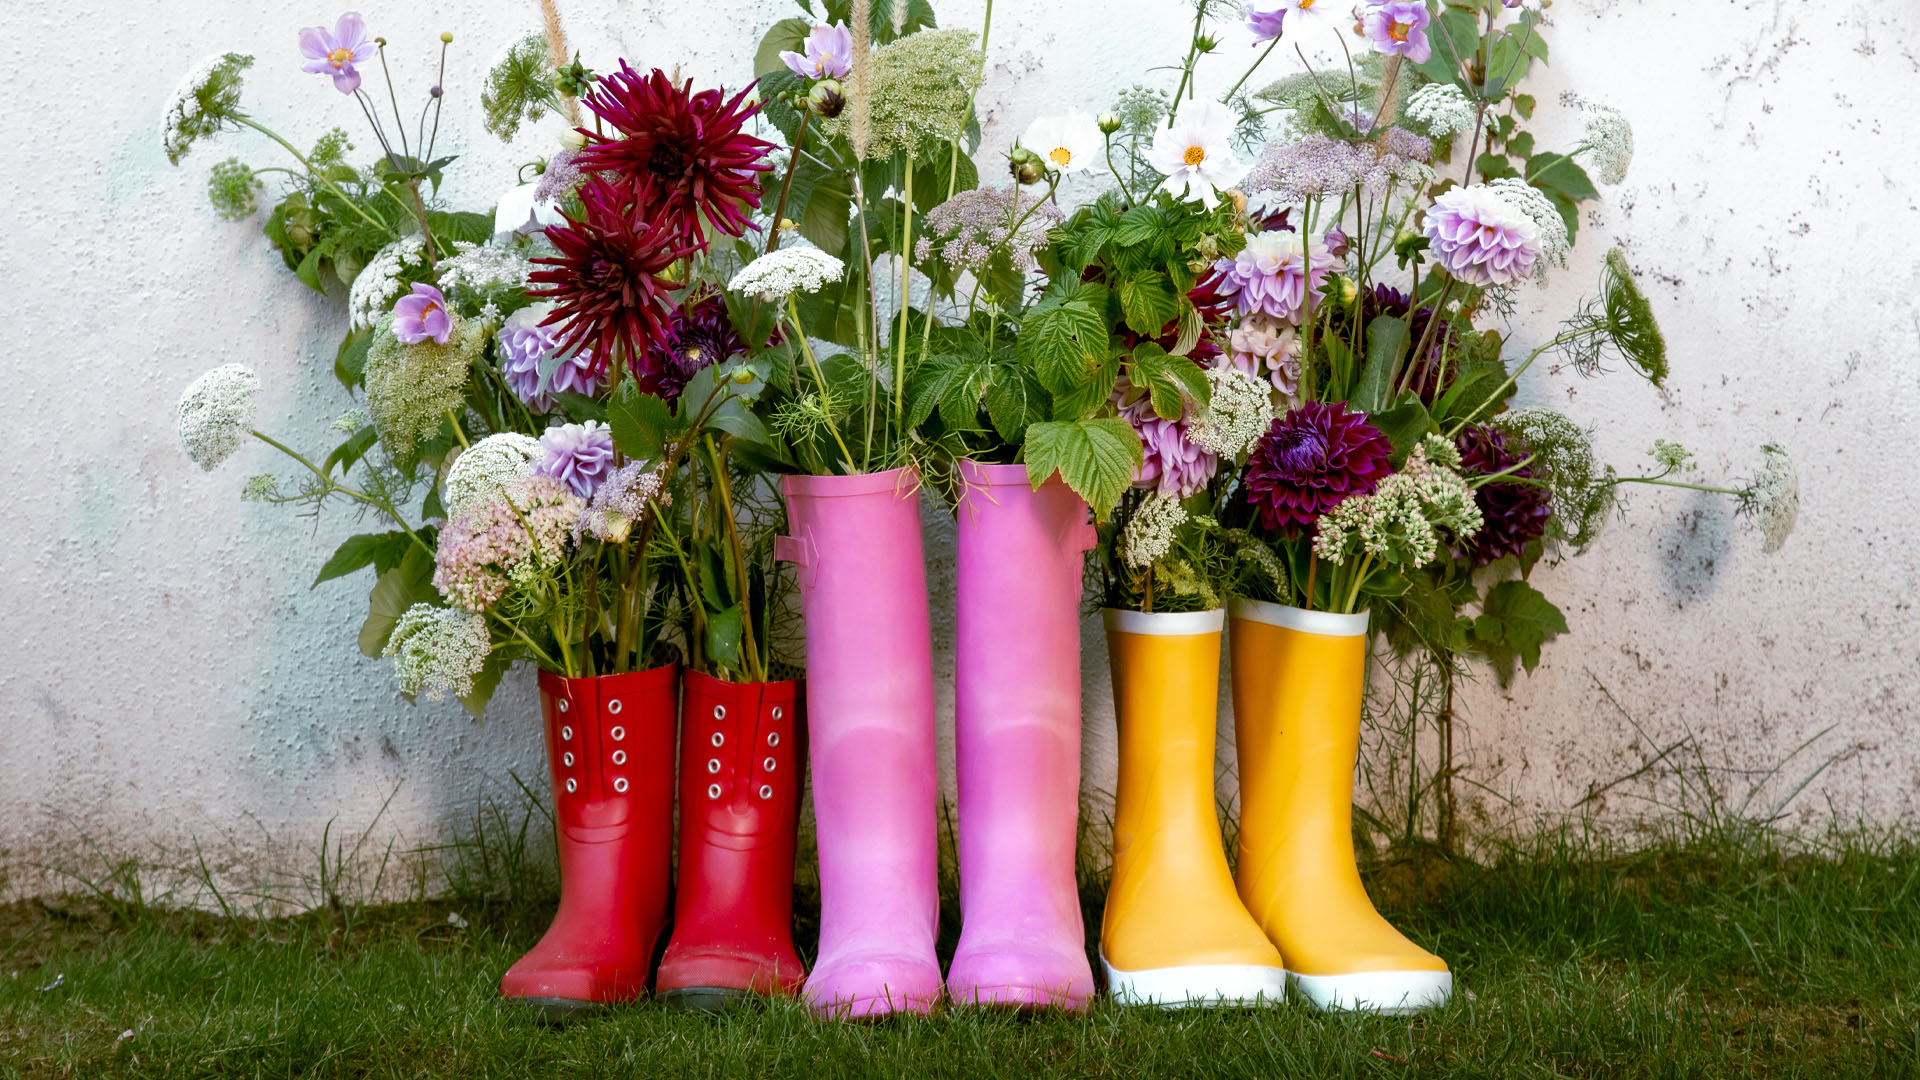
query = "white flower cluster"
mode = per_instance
[
  {"x": 382, "y": 280},
  {"x": 477, "y": 271},
  {"x": 1563, "y": 452},
  {"x": 1609, "y": 140},
  {"x": 1399, "y": 524},
  {"x": 1440, "y": 109},
  {"x": 784, "y": 271},
  {"x": 1539, "y": 209},
  {"x": 437, "y": 651},
  {"x": 352, "y": 420},
  {"x": 203, "y": 102},
  {"x": 1149, "y": 533},
  {"x": 1240, "y": 412},
  {"x": 216, "y": 412},
  {"x": 1773, "y": 498},
  {"x": 497, "y": 465}
]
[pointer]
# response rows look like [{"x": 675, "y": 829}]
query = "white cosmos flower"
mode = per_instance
[
  {"x": 1314, "y": 17},
  {"x": 1192, "y": 151},
  {"x": 1067, "y": 143},
  {"x": 520, "y": 212}
]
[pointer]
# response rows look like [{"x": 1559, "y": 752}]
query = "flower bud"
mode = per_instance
[
  {"x": 1205, "y": 43},
  {"x": 1239, "y": 199},
  {"x": 825, "y": 99},
  {"x": 572, "y": 139},
  {"x": 434, "y": 90},
  {"x": 1338, "y": 242},
  {"x": 446, "y": 37},
  {"x": 1109, "y": 123},
  {"x": 1025, "y": 166},
  {"x": 1342, "y": 288}
]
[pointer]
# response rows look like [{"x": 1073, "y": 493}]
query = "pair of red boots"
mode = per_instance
[{"x": 610, "y": 750}]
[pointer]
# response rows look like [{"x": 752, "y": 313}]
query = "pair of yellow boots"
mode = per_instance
[{"x": 1179, "y": 928}]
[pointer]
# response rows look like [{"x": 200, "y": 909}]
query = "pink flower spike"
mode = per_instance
[
  {"x": 335, "y": 53},
  {"x": 422, "y": 314}
]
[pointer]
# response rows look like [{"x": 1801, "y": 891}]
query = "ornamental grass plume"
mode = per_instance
[
  {"x": 1311, "y": 460},
  {"x": 413, "y": 387},
  {"x": 437, "y": 651},
  {"x": 686, "y": 160},
  {"x": 496, "y": 467},
  {"x": 503, "y": 544},
  {"x": 216, "y": 412}
]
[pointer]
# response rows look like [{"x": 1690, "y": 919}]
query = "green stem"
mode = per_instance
[
  {"x": 311, "y": 171},
  {"x": 1186, "y": 67},
  {"x": 333, "y": 485},
  {"x": 813, "y": 365},
  {"x": 1514, "y": 378},
  {"x": 1256, "y": 66},
  {"x": 900, "y": 339}
]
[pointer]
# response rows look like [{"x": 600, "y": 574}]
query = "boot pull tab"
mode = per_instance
[
  {"x": 1082, "y": 536},
  {"x": 798, "y": 550}
]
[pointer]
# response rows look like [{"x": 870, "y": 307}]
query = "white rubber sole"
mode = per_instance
[
  {"x": 1197, "y": 986},
  {"x": 1388, "y": 993}
]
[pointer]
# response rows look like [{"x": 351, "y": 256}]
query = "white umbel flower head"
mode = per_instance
[
  {"x": 437, "y": 651},
  {"x": 1067, "y": 143},
  {"x": 1193, "y": 153},
  {"x": 1148, "y": 536},
  {"x": 496, "y": 465},
  {"x": 1609, "y": 141},
  {"x": 1773, "y": 498},
  {"x": 1239, "y": 413},
  {"x": 383, "y": 279},
  {"x": 781, "y": 273},
  {"x": 1539, "y": 209},
  {"x": 1440, "y": 109},
  {"x": 216, "y": 412}
]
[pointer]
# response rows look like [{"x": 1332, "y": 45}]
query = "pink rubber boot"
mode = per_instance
[
  {"x": 863, "y": 589},
  {"x": 1017, "y": 735}
]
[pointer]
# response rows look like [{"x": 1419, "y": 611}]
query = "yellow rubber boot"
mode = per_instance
[
  {"x": 1297, "y": 681},
  {"x": 1174, "y": 932}
]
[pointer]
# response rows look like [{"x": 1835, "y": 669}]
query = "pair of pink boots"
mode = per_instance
[{"x": 856, "y": 543}]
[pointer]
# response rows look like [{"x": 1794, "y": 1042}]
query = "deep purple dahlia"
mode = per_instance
[
  {"x": 699, "y": 335},
  {"x": 1516, "y": 513},
  {"x": 1429, "y": 378},
  {"x": 1310, "y": 461}
]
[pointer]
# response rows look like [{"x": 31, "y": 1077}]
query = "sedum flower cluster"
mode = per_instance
[
  {"x": 216, "y": 412},
  {"x": 437, "y": 651},
  {"x": 1401, "y": 521},
  {"x": 506, "y": 544}
]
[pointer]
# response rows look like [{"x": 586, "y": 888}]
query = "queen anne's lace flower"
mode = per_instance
[
  {"x": 1239, "y": 412},
  {"x": 474, "y": 272},
  {"x": 1399, "y": 524},
  {"x": 216, "y": 412},
  {"x": 495, "y": 467},
  {"x": 784, "y": 271},
  {"x": 1563, "y": 459},
  {"x": 1609, "y": 141},
  {"x": 919, "y": 89},
  {"x": 208, "y": 98},
  {"x": 1773, "y": 498},
  {"x": 1149, "y": 534},
  {"x": 1540, "y": 210},
  {"x": 969, "y": 228},
  {"x": 437, "y": 651},
  {"x": 385, "y": 277},
  {"x": 412, "y": 388},
  {"x": 501, "y": 545},
  {"x": 1440, "y": 109}
]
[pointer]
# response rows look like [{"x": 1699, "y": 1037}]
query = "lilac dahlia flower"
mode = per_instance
[
  {"x": 336, "y": 52},
  {"x": 1278, "y": 274},
  {"x": 1398, "y": 28},
  {"x": 422, "y": 314},
  {"x": 524, "y": 346},
  {"x": 829, "y": 53},
  {"x": 1310, "y": 461},
  {"x": 1173, "y": 465},
  {"x": 578, "y": 455},
  {"x": 1481, "y": 238}
]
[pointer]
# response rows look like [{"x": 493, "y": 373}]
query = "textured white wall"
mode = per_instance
[{"x": 169, "y": 677}]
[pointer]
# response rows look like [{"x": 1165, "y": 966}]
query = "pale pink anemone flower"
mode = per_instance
[
  {"x": 337, "y": 52},
  {"x": 422, "y": 314},
  {"x": 829, "y": 53}
]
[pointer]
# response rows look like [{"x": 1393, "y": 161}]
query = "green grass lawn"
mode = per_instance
[{"x": 1681, "y": 961}]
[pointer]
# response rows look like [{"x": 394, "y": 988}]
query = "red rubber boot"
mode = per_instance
[
  {"x": 610, "y": 752},
  {"x": 742, "y": 761}
]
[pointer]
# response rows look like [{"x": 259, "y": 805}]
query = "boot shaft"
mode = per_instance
[
  {"x": 610, "y": 751},
  {"x": 1166, "y": 684}
]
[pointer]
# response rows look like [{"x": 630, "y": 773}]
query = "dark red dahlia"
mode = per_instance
[
  {"x": 683, "y": 155},
  {"x": 701, "y": 334},
  {"x": 1516, "y": 512},
  {"x": 606, "y": 284},
  {"x": 1310, "y": 461}
]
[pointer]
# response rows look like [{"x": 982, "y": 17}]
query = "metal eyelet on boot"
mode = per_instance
[
  {"x": 567, "y": 759},
  {"x": 563, "y": 704},
  {"x": 719, "y": 739},
  {"x": 713, "y": 791},
  {"x": 719, "y": 712},
  {"x": 769, "y": 764},
  {"x": 619, "y": 757},
  {"x": 566, "y": 734},
  {"x": 766, "y": 791},
  {"x": 614, "y": 706},
  {"x": 572, "y": 785},
  {"x": 617, "y": 734},
  {"x": 778, "y": 712},
  {"x": 713, "y": 765},
  {"x": 773, "y": 737},
  {"x": 620, "y": 783}
]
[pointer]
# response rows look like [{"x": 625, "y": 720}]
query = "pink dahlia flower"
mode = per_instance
[
  {"x": 1173, "y": 466},
  {"x": 1278, "y": 274},
  {"x": 1482, "y": 239}
]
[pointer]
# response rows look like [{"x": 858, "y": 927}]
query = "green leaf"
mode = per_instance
[
  {"x": 1170, "y": 381},
  {"x": 734, "y": 418},
  {"x": 349, "y": 453},
  {"x": 723, "y": 637},
  {"x": 398, "y": 589},
  {"x": 350, "y": 360},
  {"x": 1096, "y": 458},
  {"x": 1147, "y": 301},
  {"x": 1521, "y": 144},
  {"x": 951, "y": 385},
  {"x": 484, "y": 684},
  {"x": 383, "y": 551},
  {"x": 1558, "y": 172},
  {"x": 462, "y": 226},
  {"x": 1515, "y": 620},
  {"x": 580, "y": 408},
  {"x": 787, "y": 35},
  {"x": 1387, "y": 344},
  {"x": 1015, "y": 401},
  {"x": 1405, "y": 424},
  {"x": 1456, "y": 37},
  {"x": 1065, "y": 337},
  {"x": 1524, "y": 104},
  {"x": 640, "y": 424},
  {"x": 309, "y": 270}
]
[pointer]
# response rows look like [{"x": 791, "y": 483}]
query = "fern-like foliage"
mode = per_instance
[{"x": 519, "y": 87}]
